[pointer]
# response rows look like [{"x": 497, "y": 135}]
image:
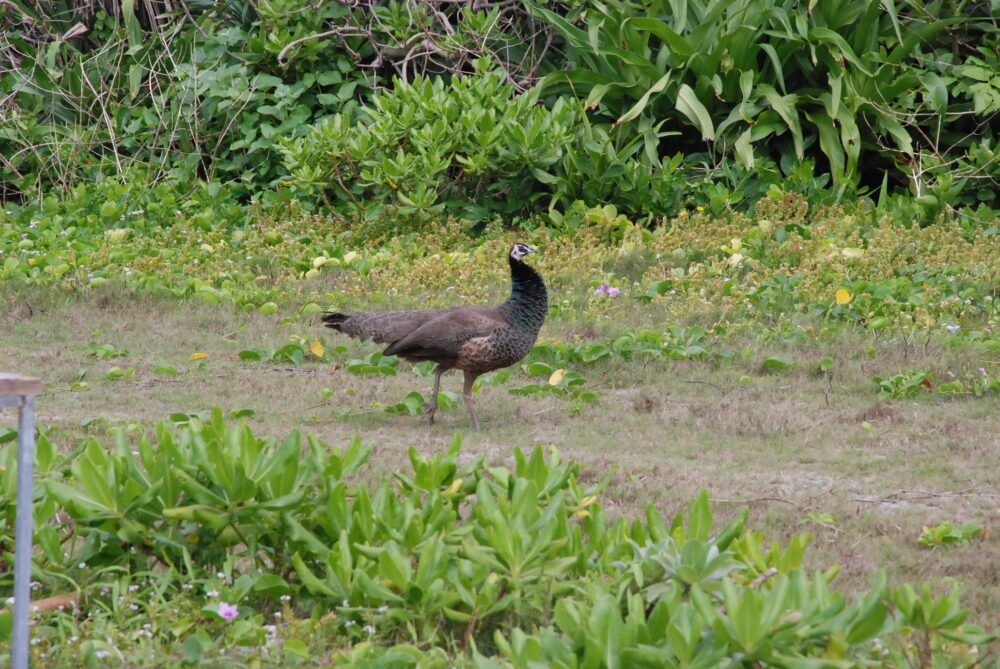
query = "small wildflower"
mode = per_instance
[
  {"x": 382, "y": 609},
  {"x": 82, "y": 565},
  {"x": 982, "y": 371},
  {"x": 613, "y": 291},
  {"x": 212, "y": 593},
  {"x": 370, "y": 629},
  {"x": 221, "y": 575},
  {"x": 24, "y": 235},
  {"x": 286, "y": 598},
  {"x": 90, "y": 276},
  {"x": 228, "y": 611},
  {"x": 101, "y": 654},
  {"x": 953, "y": 328}
]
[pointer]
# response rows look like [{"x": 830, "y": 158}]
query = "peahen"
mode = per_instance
[{"x": 473, "y": 339}]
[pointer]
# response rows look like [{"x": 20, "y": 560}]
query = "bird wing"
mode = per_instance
[{"x": 443, "y": 335}]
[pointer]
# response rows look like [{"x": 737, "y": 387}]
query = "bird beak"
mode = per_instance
[{"x": 531, "y": 250}]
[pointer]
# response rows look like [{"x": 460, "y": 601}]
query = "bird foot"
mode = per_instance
[{"x": 429, "y": 410}]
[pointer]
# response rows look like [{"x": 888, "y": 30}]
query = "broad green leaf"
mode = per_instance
[
  {"x": 776, "y": 364},
  {"x": 661, "y": 29},
  {"x": 744, "y": 149},
  {"x": 637, "y": 108},
  {"x": 689, "y": 105},
  {"x": 785, "y": 105},
  {"x": 829, "y": 142}
]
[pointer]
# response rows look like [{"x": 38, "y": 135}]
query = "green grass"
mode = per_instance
[{"x": 786, "y": 443}]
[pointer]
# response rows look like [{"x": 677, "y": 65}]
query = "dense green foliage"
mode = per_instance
[
  {"x": 383, "y": 111},
  {"x": 454, "y": 555},
  {"x": 873, "y": 90}
]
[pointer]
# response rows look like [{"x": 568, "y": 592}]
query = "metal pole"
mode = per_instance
[{"x": 23, "y": 532}]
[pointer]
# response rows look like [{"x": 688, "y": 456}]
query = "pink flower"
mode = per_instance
[
  {"x": 602, "y": 290},
  {"x": 982, "y": 371},
  {"x": 953, "y": 328},
  {"x": 228, "y": 611},
  {"x": 613, "y": 291}
]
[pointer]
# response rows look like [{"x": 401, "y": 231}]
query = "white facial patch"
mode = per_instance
[{"x": 520, "y": 250}]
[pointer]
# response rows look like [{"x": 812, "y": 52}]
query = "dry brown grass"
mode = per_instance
[{"x": 785, "y": 444}]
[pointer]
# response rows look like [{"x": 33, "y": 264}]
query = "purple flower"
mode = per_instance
[
  {"x": 982, "y": 371},
  {"x": 953, "y": 328},
  {"x": 24, "y": 235},
  {"x": 602, "y": 290},
  {"x": 613, "y": 291},
  {"x": 228, "y": 611}
]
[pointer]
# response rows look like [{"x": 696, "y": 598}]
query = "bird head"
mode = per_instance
[{"x": 518, "y": 251}]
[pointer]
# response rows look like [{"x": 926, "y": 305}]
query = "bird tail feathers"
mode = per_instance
[{"x": 335, "y": 320}]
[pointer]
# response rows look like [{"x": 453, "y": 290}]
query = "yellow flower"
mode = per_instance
[{"x": 843, "y": 297}]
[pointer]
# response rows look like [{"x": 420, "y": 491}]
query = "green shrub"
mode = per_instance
[
  {"x": 452, "y": 555},
  {"x": 196, "y": 97},
  {"x": 859, "y": 87},
  {"x": 471, "y": 147}
]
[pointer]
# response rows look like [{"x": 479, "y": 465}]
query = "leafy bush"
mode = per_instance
[
  {"x": 452, "y": 554},
  {"x": 471, "y": 147},
  {"x": 859, "y": 88},
  {"x": 194, "y": 98}
]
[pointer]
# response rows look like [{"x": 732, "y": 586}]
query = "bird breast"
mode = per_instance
[{"x": 502, "y": 348}]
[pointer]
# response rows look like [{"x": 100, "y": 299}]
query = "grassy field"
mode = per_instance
[{"x": 806, "y": 450}]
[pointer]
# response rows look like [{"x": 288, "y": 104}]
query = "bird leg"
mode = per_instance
[
  {"x": 470, "y": 378},
  {"x": 431, "y": 407}
]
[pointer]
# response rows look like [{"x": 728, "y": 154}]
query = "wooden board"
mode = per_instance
[{"x": 15, "y": 384}]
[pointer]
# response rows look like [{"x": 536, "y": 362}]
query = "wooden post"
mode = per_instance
[{"x": 20, "y": 391}]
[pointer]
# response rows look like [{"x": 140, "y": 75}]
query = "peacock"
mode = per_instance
[{"x": 474, "y": 339}]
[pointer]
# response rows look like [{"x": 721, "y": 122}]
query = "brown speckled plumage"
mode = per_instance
[{"x": 473, "y": 339}]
